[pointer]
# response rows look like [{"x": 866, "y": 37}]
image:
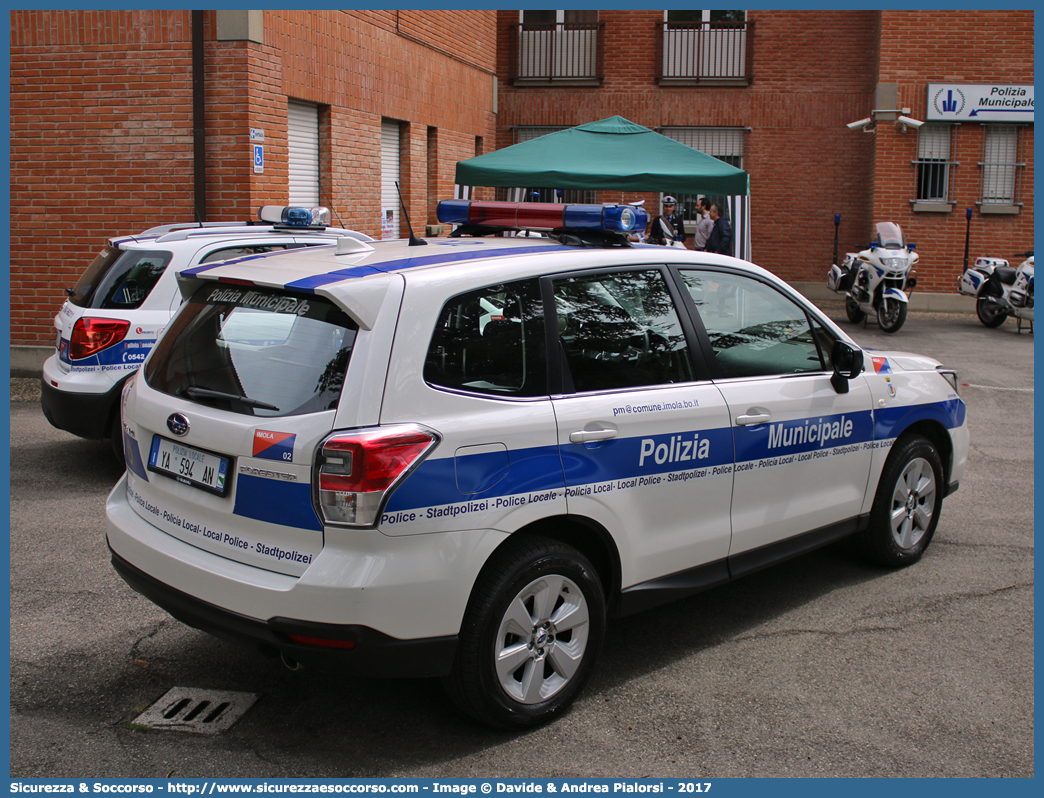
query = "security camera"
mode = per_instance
[
  {"x": 861, "y": 124},
  {"x": 906, "y": 121}
]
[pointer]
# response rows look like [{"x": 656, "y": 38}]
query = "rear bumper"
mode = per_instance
[
  {"x": 86, "y": 415},
  {"x": 374, "y": 653},
  {"x": 402, "y": 599}
]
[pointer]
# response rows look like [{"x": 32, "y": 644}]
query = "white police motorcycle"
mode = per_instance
[
  {"x": 875, "y": 281},
  {"x": 1000, "y": 290}
]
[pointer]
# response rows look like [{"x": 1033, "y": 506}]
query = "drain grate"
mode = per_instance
[{"x": 198, "y": 711}]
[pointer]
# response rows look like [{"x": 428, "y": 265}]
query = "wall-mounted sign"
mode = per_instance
[
  {"x": 257, "y": 134},
  {"x": 259, "y": 159},
  {"x": 980, "y": 102},
  {"x": 388, "y": 224}
]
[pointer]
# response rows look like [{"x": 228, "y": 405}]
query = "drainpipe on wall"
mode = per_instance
[{"x": 199, "y": 141}]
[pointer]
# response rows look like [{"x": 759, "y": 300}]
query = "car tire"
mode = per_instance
[
  {"x": 891, "y": 314},
  {"x": 906, "y": 506},
  {"x": 988, "y": 313},
  {"x": 855, "y": 313},
  {"x": 530, "y": 636}
]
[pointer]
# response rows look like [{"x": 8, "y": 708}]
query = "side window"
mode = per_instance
[
  {"x": 620, "y": 330},
  {"x": 228, "y": 253},
  {"x": 130, "y": 279},
  {"x": 491, "y": 341},
  {"x": 754, "y": 330}
]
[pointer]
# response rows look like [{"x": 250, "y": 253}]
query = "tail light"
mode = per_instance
[
  {"x": 357, "y": 470},
  {"x": 90, "y": 336}
]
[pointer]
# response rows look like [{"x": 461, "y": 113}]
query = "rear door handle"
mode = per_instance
[
  {"x": 590, "y": 435},
  {"x": 753, "y": 418}
]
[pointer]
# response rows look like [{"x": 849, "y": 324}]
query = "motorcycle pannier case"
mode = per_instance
[{"x": 971, "y": 281}]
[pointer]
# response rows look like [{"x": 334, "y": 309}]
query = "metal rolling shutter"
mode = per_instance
[
  {"x": 303, "y": 153},
  {"x": 389, "y": 176}
]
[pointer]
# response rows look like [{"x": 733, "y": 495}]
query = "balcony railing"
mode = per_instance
[
  {"x": 557, "y": 53},
  {"x": 716, "y": 53}
]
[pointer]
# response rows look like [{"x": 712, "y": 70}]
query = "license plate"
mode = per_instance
[{"x": 190, "y": 466}]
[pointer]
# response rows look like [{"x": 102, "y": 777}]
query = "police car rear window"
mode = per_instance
[
  {"x": 257, "y": 352},
  {"x": 118, "y": 279}
]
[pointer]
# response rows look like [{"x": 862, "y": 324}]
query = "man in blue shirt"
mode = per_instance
[{"x": 720, "y": 239}]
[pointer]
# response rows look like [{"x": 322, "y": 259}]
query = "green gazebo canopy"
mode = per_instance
[{"x": 610, "y": 154}]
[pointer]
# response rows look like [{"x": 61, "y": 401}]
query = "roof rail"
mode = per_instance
[{"x": 167, "y": 228}]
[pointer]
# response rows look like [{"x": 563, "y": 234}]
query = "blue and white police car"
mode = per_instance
[
  {"x": 463, "y": 460},
  {"x": 126, "y": 296}
]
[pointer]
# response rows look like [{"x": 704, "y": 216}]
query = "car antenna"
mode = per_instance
[
  {"x": 333, "y": 211},
  {"x": 414, "y": 241}
]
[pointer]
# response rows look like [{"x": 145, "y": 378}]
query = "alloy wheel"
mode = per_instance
[
  {"x": 542, "y": 639},
  {"x": 913, "y": 503}
]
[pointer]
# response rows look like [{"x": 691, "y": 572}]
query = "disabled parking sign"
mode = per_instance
[{"x": 259, "y": 158}]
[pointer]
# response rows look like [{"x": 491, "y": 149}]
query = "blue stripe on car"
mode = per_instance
[
  {"x": 130, "y": 353},
  {"x": 803, "y": 435},
  {"x": 275, "y": 502},
  {"x": 309, "y": 284},
  {"x": 313, "y": 282},
  {"x": 435, "y": 482},
  {"x": 889, "y": 422}
]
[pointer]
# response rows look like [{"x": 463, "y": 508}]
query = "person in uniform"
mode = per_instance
[{"x": 667, "y": 227}]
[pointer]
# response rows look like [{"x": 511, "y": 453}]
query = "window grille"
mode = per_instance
[
  {"x": 557, "y": 45},
  {"x": 701, "y": 45},
  {"x": 723, "y": 143},
  {"x": 934, "y": 163},
  {"x": 1000, "y": 165}
]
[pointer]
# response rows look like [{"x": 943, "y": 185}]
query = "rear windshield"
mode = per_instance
[
  {"x": 119, "y": 279},
  {"x": 256, "y": 352}
]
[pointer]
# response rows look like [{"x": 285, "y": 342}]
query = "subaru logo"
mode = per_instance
[{"x": 178, "y": 423}]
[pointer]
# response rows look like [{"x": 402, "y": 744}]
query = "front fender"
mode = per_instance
[
  {"x": 889, "y": 423},
  {"x": 895, "y": 293}
]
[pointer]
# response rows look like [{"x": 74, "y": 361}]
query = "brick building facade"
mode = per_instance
[
  {"x": 798, "y": 79},
  {"x": 102, "y": 123},
  {"x": 102, "y": 120}
]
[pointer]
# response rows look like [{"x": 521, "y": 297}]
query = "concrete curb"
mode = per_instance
[{"x": 27, "y": 361}]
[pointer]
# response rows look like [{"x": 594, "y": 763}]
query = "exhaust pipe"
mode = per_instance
[{"x": 290, "y": 662}]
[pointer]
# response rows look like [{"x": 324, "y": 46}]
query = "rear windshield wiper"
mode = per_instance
[{"x": 195, "y": 391}]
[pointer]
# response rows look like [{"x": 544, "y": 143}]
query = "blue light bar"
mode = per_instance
[
  {"x": 452, "y": 211},
  {"x": 293, "y": 216}
]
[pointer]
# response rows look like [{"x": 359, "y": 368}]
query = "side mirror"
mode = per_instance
[
  {"x": 848, "y": 364},
  {"x": 911, "y": 247}
]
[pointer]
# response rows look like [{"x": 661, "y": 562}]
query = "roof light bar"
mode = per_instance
[
  {"x": 543, "y": 216},
  {"x": 293, "y": 216}
]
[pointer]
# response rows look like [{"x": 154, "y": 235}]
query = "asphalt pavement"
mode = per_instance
[{"x": 822, "y": 666}]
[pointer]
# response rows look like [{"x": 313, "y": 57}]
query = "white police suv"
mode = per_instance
[
  {"x": 461, "y": 460},
  {"x": 128, "y": 293}
]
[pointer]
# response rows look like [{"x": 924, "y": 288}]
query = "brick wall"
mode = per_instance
[
  {"x": 802, "y": 159},
  {"x": 101, "y": 124},
  {"x": 93, "y": 154},
  {"x": 997, "y": 47},
  {"x": 412, "y": 66},
  {"x": 101, "y": 116}
]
